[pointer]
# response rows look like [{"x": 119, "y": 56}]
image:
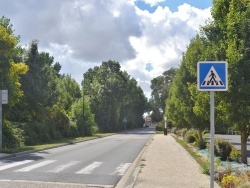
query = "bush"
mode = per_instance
[
  {"x": 13, "y": 137},
  {"x": 36, "y": 133},
  {"x": 222, "y": 148},
  {"x": 159, "y": 127},
  {"x": 205, "y": 166},
  {"x": 181, "y": 132},
  {"x": 202, "y": 144},
  {"x": 60, "y": 120},
  {"x": 190, "y": 136},
  {"x": 235, "y": 154},
  {"x": 229, "y": 181}
]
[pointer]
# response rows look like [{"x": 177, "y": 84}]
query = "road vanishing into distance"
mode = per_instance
[{"x": 101, "y": 162}]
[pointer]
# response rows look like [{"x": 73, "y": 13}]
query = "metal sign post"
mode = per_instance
[
  {"x": 212, "y": 76},
  {"x": 1, "y": 127},
  {"x": 212, "y": 139}
]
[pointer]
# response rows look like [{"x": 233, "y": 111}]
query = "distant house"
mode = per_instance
[{"x": 148, "y": 121}]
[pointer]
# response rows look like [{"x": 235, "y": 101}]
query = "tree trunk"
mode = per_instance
[
  {"x": 200, "y": 135},
  {"x": 244, "y": 147}
]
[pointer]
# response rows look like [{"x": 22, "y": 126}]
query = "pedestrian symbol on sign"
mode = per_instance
[{"x": 212, "y": 79}]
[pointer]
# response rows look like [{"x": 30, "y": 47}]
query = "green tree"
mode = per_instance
[
  {"x": 237, "y": 100},
  {"x": 113, "y": 96},
  {"x": 160, "y": 88}
]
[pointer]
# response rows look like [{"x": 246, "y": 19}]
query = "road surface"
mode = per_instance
[{"x": 100, "y": 162}]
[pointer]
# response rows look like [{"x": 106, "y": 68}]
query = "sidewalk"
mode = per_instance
[{"x": 166, "y": 164}]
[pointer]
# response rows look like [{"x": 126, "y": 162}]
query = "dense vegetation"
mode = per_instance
[
  {"x": 45, "y": 105},
  {"x": 224, "y": 38}
]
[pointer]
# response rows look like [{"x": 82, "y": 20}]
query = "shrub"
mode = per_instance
[
  {"x": 13, "y": 137},
  {"x": 159, "y": 127},
  {"x": 36, "y": 133},
  {"x": 190, "y": 136},
  {"x": 205, "y": 165},
  {"x": 181, "y": 132},
  {"x": 235, "y": 154},
  {"x": 222, "y": 148},
  {"x": 202, "y": 144},
  {"x": 229, "y": 181},
  {"x": 59, "y": 119}
]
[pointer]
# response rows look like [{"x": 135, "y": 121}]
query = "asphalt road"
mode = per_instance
[{"x": 101, "y": 162}]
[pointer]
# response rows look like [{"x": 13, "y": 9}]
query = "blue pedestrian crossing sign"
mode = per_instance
[{"x": 212, "y": 76}]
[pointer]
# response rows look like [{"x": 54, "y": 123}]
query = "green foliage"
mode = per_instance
[
  {"x": 114, "y": 96},
  {"x": 59, "y": 120},
  {"x": 229, "y": 181},
  {"x": 235, "y": 154},
  {"x": 160, "y": 126},
  {"x": 35, "y": 133},
  {"x": 205, "y": 166},
  {"x": 160, "y": 88},
  {"x": 181, "y": 132},
  {"x": 222, "y": 148},
  {"x": 84, "y": 123},
  {"x": 190, "y": 136},
  {"x": 13, "y": 137}
]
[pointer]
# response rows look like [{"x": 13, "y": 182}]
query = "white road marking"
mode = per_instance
[
  {"x": 121, "y": 169},
  {"x": 88, "y": 169},
  {"x": 32, "y": 167},
  {"x": 14, "y": 164},
  {"x": 63, "y": 167}
]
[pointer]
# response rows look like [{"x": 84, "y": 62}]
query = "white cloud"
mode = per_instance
[
  {"x": 80, "y": 34},
  {"x": 153, "y": 2}
]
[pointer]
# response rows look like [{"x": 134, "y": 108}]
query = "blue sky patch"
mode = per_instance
[
  {"x": 149, "y": 67},
  {"x": 173, "y": 4}
]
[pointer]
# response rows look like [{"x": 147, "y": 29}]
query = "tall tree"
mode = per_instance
[
  {"x": 160, "y": 88},
  {"x": 113, "y": 97},
  {"x": 11, "y": 66}
]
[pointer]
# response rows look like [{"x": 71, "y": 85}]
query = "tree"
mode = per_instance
[
  {"x": 160, "y": 88},
  {"x": 10, "y": 63},
  {"x": 113, "y": 96}
]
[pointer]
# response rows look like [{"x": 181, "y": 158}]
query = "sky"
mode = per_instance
[{"x": 147, "y": 37}]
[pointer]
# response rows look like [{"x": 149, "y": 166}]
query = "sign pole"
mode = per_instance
[
  {"x": 1, "y": 127},
  {"x": 212, "y": 139}
]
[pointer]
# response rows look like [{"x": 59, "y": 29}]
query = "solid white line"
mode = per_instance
[
  {"x": 15, "y": 164},
  {"x": 32, "y": 167},
  {"x": 88, "y": 169},
  {"x": 121, "y": 169},
  {"x": 63, "y": 167}
]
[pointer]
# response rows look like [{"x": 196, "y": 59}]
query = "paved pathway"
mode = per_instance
[{"x": 166, "y": 164}]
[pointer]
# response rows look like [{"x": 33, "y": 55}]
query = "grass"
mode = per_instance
[{"x": 53, "y": 144}]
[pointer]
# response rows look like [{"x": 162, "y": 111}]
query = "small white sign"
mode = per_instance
[{"x": 4, "y": 96}]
